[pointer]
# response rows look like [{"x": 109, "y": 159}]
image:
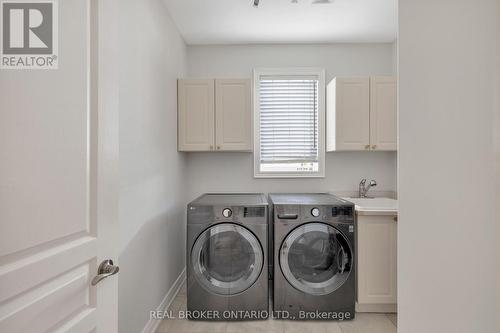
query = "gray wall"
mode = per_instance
[
  {"x": 157, "y": 181},
  {"x": 234, "y": 171},
  {"x": 497, "y": 152},
  {"x": 152, "y": 172},
  {"x": 447, "y": 226}
]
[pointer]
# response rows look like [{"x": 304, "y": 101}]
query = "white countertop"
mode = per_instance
[{"x": 374, "y": 206}]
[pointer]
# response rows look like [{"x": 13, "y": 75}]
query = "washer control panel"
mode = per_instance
[
  {"x": 227, "y": 212},
  {"x": 240, "y": 214},
  {"x": 315, "y": 212}
]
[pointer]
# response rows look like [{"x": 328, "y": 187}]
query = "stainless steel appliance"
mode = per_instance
[
  {"x": 314, "y": 269},
  {"x": 227, "y": 272}
]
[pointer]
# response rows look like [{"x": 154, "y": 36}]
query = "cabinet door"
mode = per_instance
[
  {"x": 383, "y": 113},
  {"x": 349, "y": 114},
  {"x": 196, "y": 114},
  {"x": 233, "y": 114},
  {"x": 377, "y": 246}
]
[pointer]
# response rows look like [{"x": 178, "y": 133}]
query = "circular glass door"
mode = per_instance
[
  {"x": 316, "y": 258},
  {"x": 227, "y": 259}
]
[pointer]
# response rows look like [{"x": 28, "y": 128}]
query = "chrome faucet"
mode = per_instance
[{"x": 363, "y": 189}]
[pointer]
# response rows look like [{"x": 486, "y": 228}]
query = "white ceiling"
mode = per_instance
[{"x": 280, "y": 21}]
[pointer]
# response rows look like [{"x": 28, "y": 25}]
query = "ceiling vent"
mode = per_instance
[{"x": 314, "y": 2}]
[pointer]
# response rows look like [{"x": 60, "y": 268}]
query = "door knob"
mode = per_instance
[
  {"x": 106, "y": 269},
  {"x": 367, "y": 147},
  {"x": 374, "y": 147}
]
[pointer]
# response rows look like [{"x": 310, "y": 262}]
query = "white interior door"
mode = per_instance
[{"x": 58, "y": 180}]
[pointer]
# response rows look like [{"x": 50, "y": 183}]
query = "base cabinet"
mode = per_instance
[{"x": 377, "y": 263}]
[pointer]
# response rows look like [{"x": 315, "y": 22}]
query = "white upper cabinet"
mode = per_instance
[
  {"x": 362, "y": 114},
  {"x": 214, "y": 115},
  {"x": 233, "y": 114},
  {"x": 348, "y": 118},
  {"x": 196, "y": 124},
  {"x": 383, "y": 113}
]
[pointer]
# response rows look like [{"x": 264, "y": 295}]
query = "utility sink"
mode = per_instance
[{"x": 375, "y": 204}]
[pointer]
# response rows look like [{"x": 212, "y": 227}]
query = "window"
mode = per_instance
[{"x": 289, "y": 122}]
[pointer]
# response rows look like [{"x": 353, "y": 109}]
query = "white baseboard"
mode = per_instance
[
  {"x": 377, "y": 308},
  {"x": 153, "y": 324}
]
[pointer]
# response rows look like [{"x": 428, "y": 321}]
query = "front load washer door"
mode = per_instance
[
  {"x": 316, "y": 258},
  {"x": 227, "y": 259}
]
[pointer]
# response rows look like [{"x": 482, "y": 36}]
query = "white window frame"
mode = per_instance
[{"x": 320, "y": 73}]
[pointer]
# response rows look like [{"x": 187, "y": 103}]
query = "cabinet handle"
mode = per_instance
[
  {"x": 367, "y": 147},
  {"x": 218, "y": 147},
  {"x": 395, "y": 219},
  {"x": 374, "y": 147}
]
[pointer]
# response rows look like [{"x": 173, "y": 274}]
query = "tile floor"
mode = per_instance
[{"x": 364, "y": 323}]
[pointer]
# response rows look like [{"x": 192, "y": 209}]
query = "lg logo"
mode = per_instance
[{"x": 29, "y": 38}]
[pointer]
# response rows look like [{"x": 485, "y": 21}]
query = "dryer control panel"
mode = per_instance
[
  {"x": 344, "y": 214},
  {"x": 342, "y": 211},
  {"x": 310, "y": 213}
]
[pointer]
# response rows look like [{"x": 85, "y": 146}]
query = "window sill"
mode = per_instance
[{"x": 290, "y": 176}]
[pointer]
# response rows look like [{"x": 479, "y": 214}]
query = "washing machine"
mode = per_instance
[
  {"x": 314, "y": 269},
  {"x": 227, "y": 254}
]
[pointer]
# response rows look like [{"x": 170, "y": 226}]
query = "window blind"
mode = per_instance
[{"x": 288, "y": 119}]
